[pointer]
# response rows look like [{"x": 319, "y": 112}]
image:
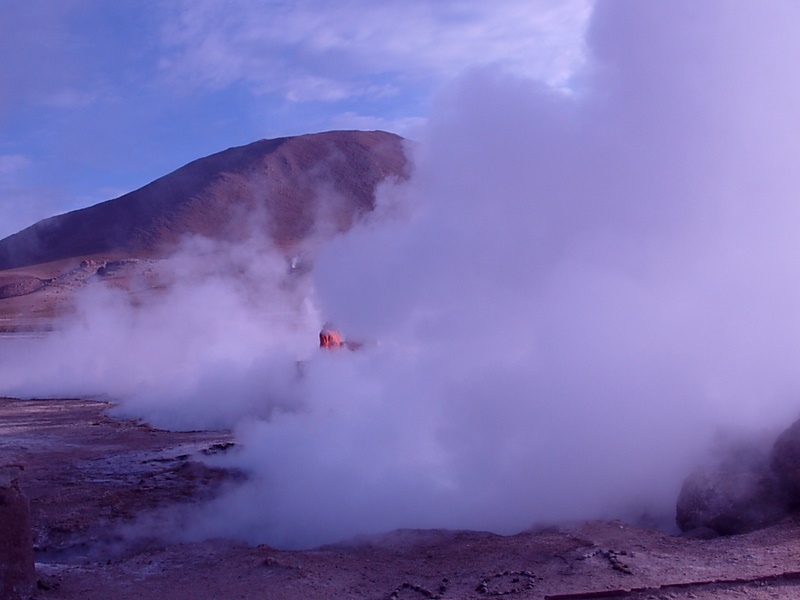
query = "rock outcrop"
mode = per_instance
[
  {"x": 11, "y": 287},
  {"x": 785, "y": 461},
  {"x": 17, "y": 574},
  {"x": 729, "y": 501},
  {"x": 752, "y": 486}
]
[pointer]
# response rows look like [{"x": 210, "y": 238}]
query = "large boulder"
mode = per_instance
[
  {"x": 17, "y": 574},
  {"x": 737, "y": 494},
  {"x": 785, "y": 461},
  {"x": 729, "y": 503}
]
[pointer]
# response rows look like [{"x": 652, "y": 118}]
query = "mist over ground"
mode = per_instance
[{"x": 574, "y": 295}]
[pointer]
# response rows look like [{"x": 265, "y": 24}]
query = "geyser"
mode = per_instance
[{"x": 572, "y": 294}]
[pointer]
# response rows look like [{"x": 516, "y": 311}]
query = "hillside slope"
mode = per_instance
[{"x": 280, "y": 186}]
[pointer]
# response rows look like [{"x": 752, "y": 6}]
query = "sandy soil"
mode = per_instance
[{"x": 86, "y": 475}]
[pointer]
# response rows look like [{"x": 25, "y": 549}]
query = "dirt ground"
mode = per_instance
[{"x": 87, "y": 475}]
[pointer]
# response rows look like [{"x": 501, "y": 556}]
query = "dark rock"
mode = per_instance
[
  {"x": 113, "y": 266},
  {"x": 785, "y": 461},
  {"x": 17, "y": 573},
  {"x": 700, "y": 533},
  {"x": 738, "y": 495},
  {"x": 217, "y": 448}
]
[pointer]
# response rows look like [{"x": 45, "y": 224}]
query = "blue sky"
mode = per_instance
[{"x": 98, "y": 98}]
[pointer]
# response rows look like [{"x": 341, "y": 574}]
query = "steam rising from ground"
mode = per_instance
[
  {"x": 217, "y": 338},
  {"x": 578, "y": 293}
]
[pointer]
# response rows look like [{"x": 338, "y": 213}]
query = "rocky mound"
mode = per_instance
[
  {"x": 785, "y": 461},
  {"x": 753, "y": 486},
  {"x": 14, "y": 285},
  {"x": 283, "y": 187}
]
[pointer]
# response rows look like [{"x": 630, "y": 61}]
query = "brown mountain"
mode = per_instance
[{"x": 282, "y": 186}]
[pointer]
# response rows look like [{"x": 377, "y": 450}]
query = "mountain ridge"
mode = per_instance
[{"x": 280, "y": 186}]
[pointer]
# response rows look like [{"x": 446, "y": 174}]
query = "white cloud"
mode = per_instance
[
  {"x": 592, "y": 285},
  {"x": 70, "y": 98},
  {"x": 329, "y": 51},
  {"x": 10, "y": 164},
  {"x": 36, "y": 50}
]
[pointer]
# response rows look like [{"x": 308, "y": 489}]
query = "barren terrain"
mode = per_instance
[{"x": 87, "y": 475}]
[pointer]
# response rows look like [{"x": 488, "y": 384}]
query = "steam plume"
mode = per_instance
[{"x": 580, "y": 290}]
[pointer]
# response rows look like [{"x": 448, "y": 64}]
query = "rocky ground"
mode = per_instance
[
  {"x": 31, "y": 297},
  {"x": 87, "y": 475}
]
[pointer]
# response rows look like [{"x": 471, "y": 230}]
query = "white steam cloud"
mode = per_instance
[
  {"x": 209, "y": 338},
  {"x": 580, "y": 290}
]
